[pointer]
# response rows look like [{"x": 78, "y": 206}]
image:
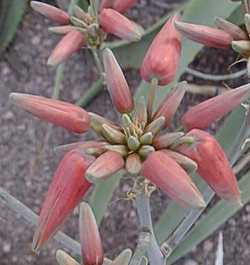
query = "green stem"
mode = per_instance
[
  {"x": 97, "y": 61},
  {"x": 142, "y": 246},
  {"x": 143, "y": 208},
  {"x": 93, "y": 91}
]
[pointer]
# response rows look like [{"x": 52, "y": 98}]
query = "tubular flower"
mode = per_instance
[
  {"x": 225, "y": 34},
  {"x": 67, "y": 188},
  {"x": 115, "y": 23},
  {"x": 83, "y": 29},
  {"x": 119, "y": 5},
  {"x": 213, "y": 165},
  {"x": 117, "y": 84},
  {"x": 209, "y": 111},
  {"x": 163, "y": 56},
  {"x": 60, "y": 113},
  {"x": 91, "y": 244},
  {"x": 140, "y": 145}
]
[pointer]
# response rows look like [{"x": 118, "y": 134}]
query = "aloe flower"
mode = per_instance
[
  {"x": 163, "y": 56},
  {"x": 224, "y": 35},
  {"x": 82, "y": 29},
  {"x": 119, "y": 5},
  {"x": 139, "y": 145},
  {"x": 91, "y": 243}
]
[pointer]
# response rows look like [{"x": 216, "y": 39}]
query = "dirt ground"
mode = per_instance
[{"x": 27, "y": 163}]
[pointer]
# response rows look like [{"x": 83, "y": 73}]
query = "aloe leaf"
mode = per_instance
[
  {"x": 11, "y": 13},
  {"x": 102, "y": 194}
]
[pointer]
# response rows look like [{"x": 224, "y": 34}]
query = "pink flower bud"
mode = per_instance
[
  {"x": 211, "y": 110},
  {"x": 213, "y": 165},
  {"x": 123, "y": 5},
  {"x": 113, "y": 22},
  {"x": 58, "y": 112},
  {"x": 69, "y": 44},
  {"x": 50, "y": 12},
  {"x": 117, "y": 84},
  {"x": 171, "y": 103},
  {"x": 208, "y": 36},
  {"x": 67, "y": 188},
  {"x": 104, "y": 166},
  {"x": 91, "y": 244},
  {"x": 163, "y": 56},
  {"x": 119, "y": 5},
  {"x": 167, "y": 175}
]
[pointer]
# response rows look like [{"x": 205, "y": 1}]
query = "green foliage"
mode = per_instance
[{"x": 11, "y": 13}]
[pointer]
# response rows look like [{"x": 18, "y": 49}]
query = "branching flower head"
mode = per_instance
[
  {"x": 84, "y": 29},
  {"x": 142, "y": 144},
  {"x": 225, "y": 34}
]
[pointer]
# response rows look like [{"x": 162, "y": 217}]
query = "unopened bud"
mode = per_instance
[
  {"x": 165, "y": 140},
  {"x": 91, "y": 244},
  {"x": 133, "y": 164},
  {"x": 145, "y": 150},
  {"x": 121, "y": 149},
  {"x": 50, "y": 12},
  {"x": 156, "y": 125},
  {"x": 147, "y": 138},
  {"x": 133, "y": 143},
  {"x": 208, "y": 36},
  {"x": 69, "y": 44},
  {"x": 112, "y": 135},
  {"x": 242, "y": 47},
  {"x": 235, "y": 31},
  {"x": 188, "y": 164},
  {"x": 115, "y": 23},
  {"x": 104, "y": 166}
]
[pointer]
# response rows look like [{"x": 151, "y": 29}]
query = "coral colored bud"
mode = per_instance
[
  {"x": 165, "y": 140},
  {"x": 171, "y": 103},
  {"x": 167, "y": 175},
  {"x": 213, "y": 165},
  {"x": 50, "y": 12},
  {"x": 69, "y": 44},
  {"x": 58, "y": 112},
  {"x": 211, "y": 110},
  {"x": 65, "y": 259},
  {"x": 106, "y": 4},
  {"x": 91, "y": 244},
  {"x": 67, "y": 188},
  {"x": 104, "y": 166},
  {"x": 115, "y": 23},
  {"x": 117, "y": 84},
  {"x": 235, "y": 31},
  {"x": 123, "y": 5},
  {"x": 208, "y": 36},
  {"x": 163, "y": 56}
]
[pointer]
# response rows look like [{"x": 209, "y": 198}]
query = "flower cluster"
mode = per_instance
[
  {"x": 143, "y": 143},
  {"x": 225, "y": 34},
  {"x": 88, "y": 29}
]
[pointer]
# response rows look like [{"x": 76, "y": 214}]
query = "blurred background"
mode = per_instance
[{"x": 27, "y": 161}]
